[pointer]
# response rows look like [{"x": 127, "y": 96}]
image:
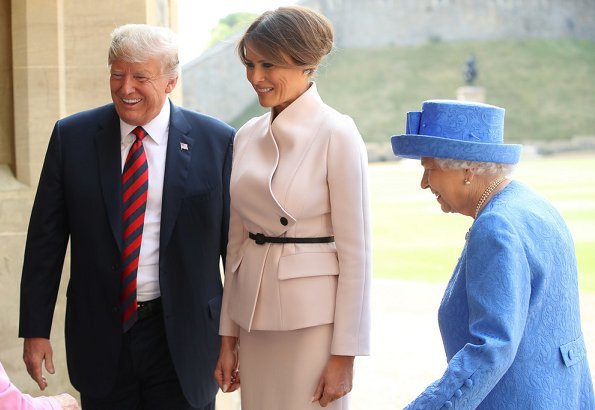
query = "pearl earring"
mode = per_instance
[{"x": 467, "y": 182}]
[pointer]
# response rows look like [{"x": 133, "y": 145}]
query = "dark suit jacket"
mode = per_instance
[{"x": 79, "y": 198}]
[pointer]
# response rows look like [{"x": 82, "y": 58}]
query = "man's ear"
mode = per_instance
[{"x": 171, "y": 84}]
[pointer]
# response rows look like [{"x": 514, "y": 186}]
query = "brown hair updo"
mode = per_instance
[{"x": 295, "y": 32}]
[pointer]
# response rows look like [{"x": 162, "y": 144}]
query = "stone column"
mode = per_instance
[
  {"x": 38, "y": 80},
  {"x": 6, "y": 105}
]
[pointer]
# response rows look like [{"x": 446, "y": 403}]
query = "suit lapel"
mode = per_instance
[
  {"x": 180, "y": 148},
  {"x": 107, "y": 141}
]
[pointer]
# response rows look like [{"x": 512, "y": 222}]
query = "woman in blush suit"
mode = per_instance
[{"x": 296, "y": 294}]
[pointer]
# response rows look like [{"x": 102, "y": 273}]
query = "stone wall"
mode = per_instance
[
  {"x": 215, "y": 83},
  {"x": 373, "y": 23}
]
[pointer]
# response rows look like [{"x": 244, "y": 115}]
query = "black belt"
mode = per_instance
[
  {"x": 148, "y": 309},
  {"x": 260, "y": 239}
]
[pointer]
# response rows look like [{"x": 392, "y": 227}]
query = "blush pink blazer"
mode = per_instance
[
  {"x": 302, "y": 175},
  {"x": 11, "y": 397}
]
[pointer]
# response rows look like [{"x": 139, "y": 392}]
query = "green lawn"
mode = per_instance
[{"x": 413, "y": 239}]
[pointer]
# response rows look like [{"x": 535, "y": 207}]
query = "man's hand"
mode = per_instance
[
  {"x": 38, "y": 350},
  {"x": 336, "y": 380}
]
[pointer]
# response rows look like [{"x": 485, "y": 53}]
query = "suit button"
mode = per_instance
[
  {"x": 283, "y": 221},
  {"x": 115, "y": 267},
  {"x": 115, "y": 309}
]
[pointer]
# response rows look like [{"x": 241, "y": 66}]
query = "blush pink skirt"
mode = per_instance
[{"x": 281, "y": 369}]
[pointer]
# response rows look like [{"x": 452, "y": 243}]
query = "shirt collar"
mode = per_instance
[{"x": 157, "y": 128}]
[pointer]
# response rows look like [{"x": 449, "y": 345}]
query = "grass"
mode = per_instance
[
  {"x": 546, "y": 86},
  {"x": 414, "y": 240}
]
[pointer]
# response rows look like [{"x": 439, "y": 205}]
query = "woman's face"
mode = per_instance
[
  {"x": 276, "y": 86},
  {"x": 446, "y": 184}
]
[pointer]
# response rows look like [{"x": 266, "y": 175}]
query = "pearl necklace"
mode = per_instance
[{"x": 493, "y": 185}]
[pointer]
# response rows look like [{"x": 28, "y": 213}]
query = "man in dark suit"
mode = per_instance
[{"x": 140, "y": 187}]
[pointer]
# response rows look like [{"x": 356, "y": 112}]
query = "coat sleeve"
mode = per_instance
[
  {"x": 225, "y": 223},
  {"x": 11, "y": 397},
  {"x": 350, "y": 216},
  {"x": 498, "y": 291},
  {"x": 45, "y": 248}
]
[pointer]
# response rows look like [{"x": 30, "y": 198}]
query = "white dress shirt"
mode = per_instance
[{"x": 155, "y": 144}]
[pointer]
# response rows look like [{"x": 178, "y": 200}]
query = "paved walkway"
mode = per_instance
[{"x": 407, "y": 350}]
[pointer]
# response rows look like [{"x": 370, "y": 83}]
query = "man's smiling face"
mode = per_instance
[{"x": 139, "y": 90}]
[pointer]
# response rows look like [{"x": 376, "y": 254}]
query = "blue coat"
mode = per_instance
[{"x": 509, "y": 317}]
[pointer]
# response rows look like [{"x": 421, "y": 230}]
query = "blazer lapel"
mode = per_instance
[
  {"x": 107, "y": 141},
  {"x": 180, "y": 148}
]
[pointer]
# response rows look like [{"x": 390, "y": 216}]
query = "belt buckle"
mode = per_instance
[
  {"x": 142, "y": 309},
  {"x": 259, "y": 239},
  {"x": 147, "y": 308}
]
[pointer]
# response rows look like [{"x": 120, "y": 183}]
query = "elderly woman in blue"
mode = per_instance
[{"x": 509, "y": 317}]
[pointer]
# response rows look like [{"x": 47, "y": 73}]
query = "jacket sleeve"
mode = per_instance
[
  {"x": 237, "y": 234},
  {"x": 498, "y": 291},
  {"x": 350, "y": 216},
  {"x": 11, "y": 397},
  {"x": 47, "y": 239}
]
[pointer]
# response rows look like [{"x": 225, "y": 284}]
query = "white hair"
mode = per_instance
[
  {"x": 490, "y": 168},
  {"x": 137, "y": 43}
]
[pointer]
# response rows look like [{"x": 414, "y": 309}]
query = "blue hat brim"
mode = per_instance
[{"x": 417, "y": 146}]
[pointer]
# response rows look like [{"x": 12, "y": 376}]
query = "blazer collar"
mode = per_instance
[
  {"x": 300, "y": 118},
  {"x": 107, "y": 142},
  {"x": 290, "y": 134},
  {"x": 181, "y": 147}
]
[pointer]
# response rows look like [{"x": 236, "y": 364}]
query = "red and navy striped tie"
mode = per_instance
[{"x": 135, "y": 182}]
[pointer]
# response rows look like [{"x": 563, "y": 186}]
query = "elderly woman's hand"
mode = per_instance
[
  {"x": 336, "y": 380},
  {"x": 67, "y": 402}
]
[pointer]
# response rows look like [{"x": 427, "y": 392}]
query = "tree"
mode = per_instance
[{"x": 229, "y": 25}]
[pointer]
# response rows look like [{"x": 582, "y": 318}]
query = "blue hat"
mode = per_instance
[{"x": 459, "y": 130}]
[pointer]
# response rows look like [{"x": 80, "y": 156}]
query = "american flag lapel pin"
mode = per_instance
[{"x": 183, "y": 146}]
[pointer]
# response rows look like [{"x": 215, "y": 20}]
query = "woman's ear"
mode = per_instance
[{"x": 469, "y": 174}]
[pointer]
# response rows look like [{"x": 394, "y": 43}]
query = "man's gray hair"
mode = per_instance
[
  {"x": 138, "y": 43},
  {"x": 490, "y": 168}
]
